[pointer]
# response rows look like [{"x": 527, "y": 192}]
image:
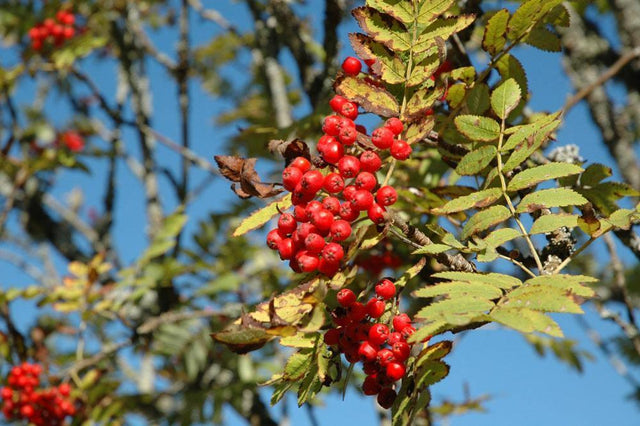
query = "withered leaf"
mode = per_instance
[
  {"x": 290, "y": 150},
  {"x": 242, "y": 171}
]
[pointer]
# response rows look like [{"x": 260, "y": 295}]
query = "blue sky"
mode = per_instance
[{"x": 524, "y": 388}]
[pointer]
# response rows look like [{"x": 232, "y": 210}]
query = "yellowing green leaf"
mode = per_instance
[
  {"x": 262, "y": 216},
  {"x": 476, "y": 200},
  {"x": 399, "y": 9},
  {"x": 505, "y": 98},
  {"x": 297, "y": 365},
  {"x": 478, "y": 99},
  {"x": 476, "y": 160},
  {"x": 542, "y": 298},
  {"x": 485, "y": 219},
  {"x": 494, "y": 37},
  {"x": 456, "y": 289},
  {"x": 478, "y": 128},
  {"x": 501, "y": 236},
  {"x": 423, "y": 100},
  {"x": 547, "y": 198},
  {"x": 572, "y": 283},
  {"x": 535, "y": 175},
  {"x": 526, "y": 320},
  {"x": 372, "y": 98},
  {"x": 442, "y": 28},
  {"x": 543, "y": 39},
  {"x": 383, "y": 28},
  {"x": 391, "y": 69},
  {"x": 551, "y": 222},
  {"x": 455, "y": 311},
  {"x": 493, "y": 278},
  {"x": 431, "y": 9}
]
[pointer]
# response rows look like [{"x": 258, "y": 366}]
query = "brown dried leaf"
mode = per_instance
[
  {"x": 290, "y": 150},
  {"x": 242, "y": 171}
]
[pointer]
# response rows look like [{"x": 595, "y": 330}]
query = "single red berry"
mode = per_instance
[
  {"x": 6, "y": 393},
  {"x": 366, "y": 181},
  {"x": 273, "y": 239},
  {"x": 394, "y": 338},
  {"x": 331, "y": 336},
  {"x": 357, "y": 312},
  {"x": 367, "y": 351},
  {"x": 348, "y": 192},
  {"x": 333, "y": 152},
  {"x": 332, "y": 204},
  {"x": 287, "y": 223},
  {"x": 323, "y": 141},
  {"x": 64, "y": 389},
  {"x": 352, "y": 66},
  {"x": 27, "y": 411},
  {"x": 370, "y": 368},
  {"x": 73, "y": 141},
  {"x": 378, "y": 334},
  {"x": 370, "y": 162},
  {"x": 340, "y": 229},
  {"x": 333, "y": 252},
  {"x": 370, "y": 386},
  {"x": 300, "y": 213},
  {"x": 395, "y": 371},
  {"x": 401, "y": 351},
  {"x": 348, "y": 213},
  {"x": 330, "y": 125},
  {"x": 312, "y": 181},
  {"x": 68, "y": 32},
  {"x": 408, "y": 331},
  {"x": 384, "y": 357},
  {"x": 386, "y": 289},
  {"x": 322, "y": 219},
  {"x": 308, "y": 262},
  {"x": 314, "y": 243},
  {"x": 400, "y": 322},
  {"x": 382, "y": 138},
  {"x": 333, "y": 183},
  {"x": 299, "y": 196},
  {"x": 328, "y": 268},
  {"x": 301, "y": 163},
  {"x": 57, "y": 31},
  {"x": 395, "y": 125},
  {"x": 285, "y": 249},
  {"x": 361, "y": 129},
  {"x": 337, "y": 102},
  {"x": 312, "y": 207},
  {"x": 375, "y": 308},
  {"x": 349, "y": 166},
  {"x": 400, "y": 150},
  {"x": 362, "y": 199},
  {"x": 291, "y": 176},
  {"x": 349, "y": 110},
  {"x": 348, "y": 135},
  {"x": 49, "y": 24},
  {"x": 386, "y": 196},
  {"x": 304, "y": 229},
  {"x": 376, "y": 213}
]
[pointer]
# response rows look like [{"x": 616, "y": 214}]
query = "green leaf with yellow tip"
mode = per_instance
[{"x": 262, "y": 216}]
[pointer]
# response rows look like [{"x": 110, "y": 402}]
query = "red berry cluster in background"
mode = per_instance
[
  {"x": 54, "y": 31},
  {"x": 360, "y": 336},
  {"x": 72, "y": 140},
  {"x": 327, "y": 204},
  {"x": 22, "y": 401}
]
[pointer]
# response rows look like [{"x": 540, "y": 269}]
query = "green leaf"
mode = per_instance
[
  {"x": 543, "y": 298},
  {"x": 604, "y": 195},
  {"x": 528, "y": 15},
  {"x": 493, "y": 278},
  {"x": 594, "y": 174},
  {"x": 165, "y": 237},
  {"x": 475, "y": 161},
  {"x": 399, "y": 9},
  {"x": 425, "y": 68},
  {"x": 423, "y": 99},
  {"x": 530, "y": 145},
  {"x": 280, "y": 389},
  {"x": 526, "y": 321},
  {"x": 457, "y": 289},
  {"x": 478, "y": 128},
  {"x": 383, "y": 28},
  {"x": 501, "y": 236},
  {"x": 535, "y": 175},
  {"x": 465, "y": 74},
  {"x": 411, "y": 273},
  {"x": 372, "y": 98},
  {"x": 310, "y": 385},
  {"x": 430, "y": 373},
  {"x": 505, "y": 98},
  {"x": 418, "y": 130},
  {"x": 476, "y": 200},
  {"x": 494, "y": 37},
  {"x": 430, "y": 10},
  {"x": 485, "y": 219},
  {"x": 572, "y": 283},
  {"x": 523, "y": 134},
  {"x": 478, "y": 99},
  {"x": 297, "y": 365},
  {"x": 547, "y": 198},
  {"x": 241, "y": 339},
  {"x": 551, "y": 222},
  {"x": 509, "y": 67},
  {"x": 458, "y": 311},
  {"x": 442, "y": 28},
  {"x": 391, "y": 68},
  {"x": 299, "y": 340},
  {"x": 433, "y": 249},
  {"x": 435, "y": 352},
  {"x": 543, "y": 39},
  {"x": 262, "y": 216}
]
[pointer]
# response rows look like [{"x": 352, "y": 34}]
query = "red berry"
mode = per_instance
[
  {"x": 312, "y": 181},
  {"x": 300, "y": 213},
  {"x": 333, "y": 152},
  {"x": 367, "y": 352},
  {"x": 382, "y": 138},
  {"x": 307, "y": 261},
  {"x": 6, "y": 393},
  {"x": 349, "y": 166},
  {"x": 331, "y": 336},
  {"x": 27, "y": 411},
  {"x": 322, "y": 219},
  {"x": 323, "y": 141},
  {"x": 369, "y": 62},
  {"x": 386, "y": 289},
  {"x": 337, "y": 102},
  {"x": 401, "y": 351},
  {"x": 386, "y": 196},
  {"x": 349, "y": 110},
  {"x": 370, "y": 162},
  {"x": 57, "y": 31},
  {"x": 314, "y": 243},
  {"x": 400, "y": 150},
  {"x": 64, "y": 389},
  {"x": 408, "y": 331},
  {"x": 362, "y": 199},
  {"x": 384, "y": 357},
  {"x": 291, "y": 176},
  {"x": 332, "y": 204},
  {"x": 333, "y": 252},
  {"x": 376, "y": 213},
  {"x": 287, "y": 223},
  {"x": 375, "y": 307},
  {"x": 73, "y": 140},
  {"x": 366, "y": 181},
  {"x": 348, "y": 135},
  {"x": 394, "y": 338},
  {"x": 357, "y": 312},
  {"x": 378, "y": 334},
  {"x": 285, "y": 249},
  {"x": 301, "y": 163},
  {"x": 273, "y": 239},
  {"x": 371, "y": 386},
  {"x": 330, "y": 125},
  {"x": 348, "y": 192},
  {"x": 333, "y": 183},
  {"x": 361, "y": 129},
  {"x": 352, "y": 66},
  {"x": 400, "y": 322},
  {"x": 328, "y": 268},
  {"x": 348, "y": 213},
  {"x": 395, "y": 125},
  {"x": 395, "y": 371},
  {"x": 68, "y": 32},
  {"x": 49, "y": 24},
  {"x": 340, "y": 230},
  {"x": 346, "y": 297},
  {"x": 304, "y": 229}
]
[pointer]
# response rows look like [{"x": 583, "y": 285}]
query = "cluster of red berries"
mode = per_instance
[
  {"x": 378, "y": 262},
  {"x": 310, "y": 237},
  {"x": 361, "y": 337},
  {"x": 55, "y": 31},
  {"x": 72, "y": 140},
  {"x": 42, "y": 407}
]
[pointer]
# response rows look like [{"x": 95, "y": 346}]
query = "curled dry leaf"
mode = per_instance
[{"x": 242, "y": 171}]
